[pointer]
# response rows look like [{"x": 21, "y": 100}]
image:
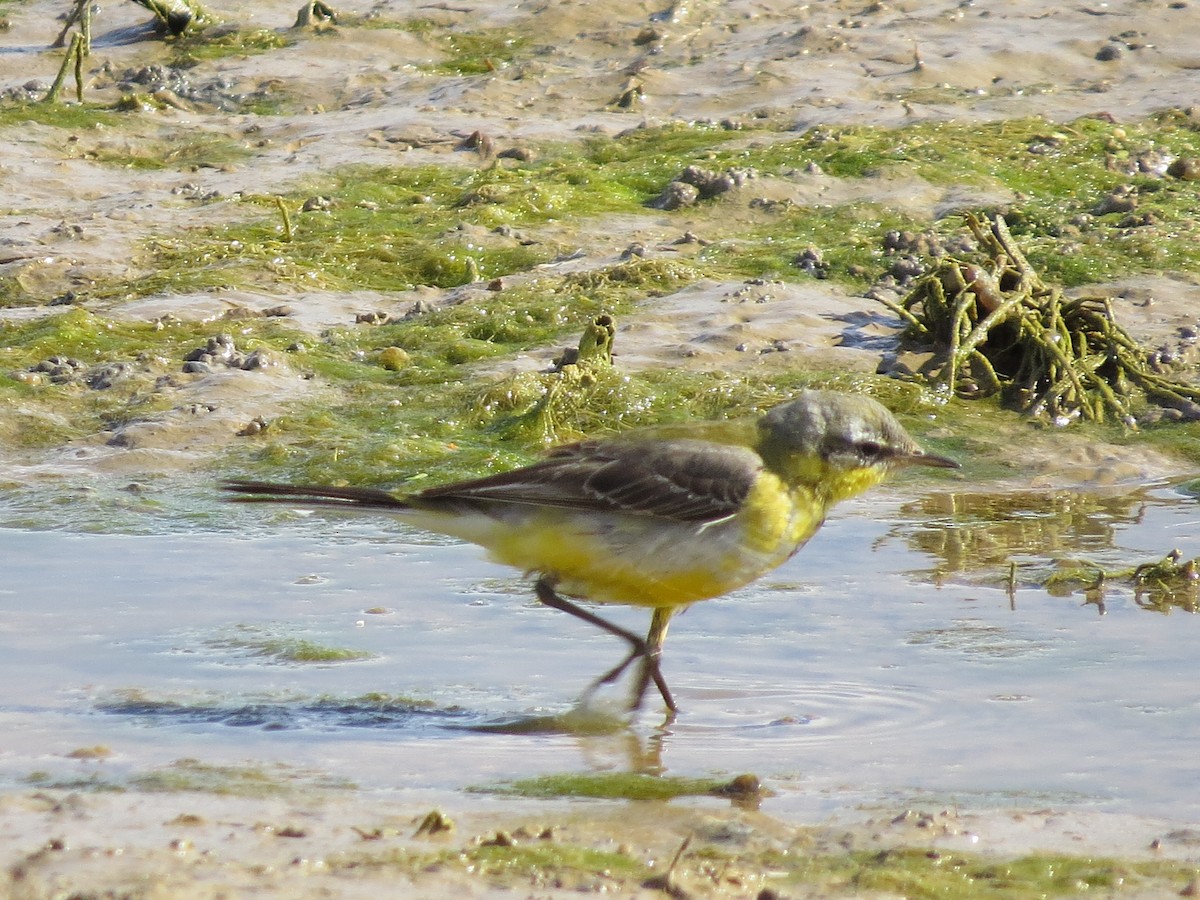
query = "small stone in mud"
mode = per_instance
[
  {"x": 29, "y": 92},
  {"x": 630, "y": 96},
  {"x": 99, "y": 751},
  {"x": 187, "y": 819},
  {"x": 166, "y": 321},
  {"x": 1109, "y": 53},
  {"x": 1139, "y": 221},
  {"x": 479, "y": 142},
  {"x": 905, "y": 269},
  {"x": 420, "y": 308},
  {"x": 217, "y": 348},
  {"x": 521, "y": 154},
  {"x": 773, "y": 204},
  {"x": 393, "y": 358},
  {"x": 712, "y": 184},
  {"x": 316, "y": 204},
  {"x": 434, "y": 822},
  {"x": 742, "y": 785},
  {"x": 257, "y": 425},
  {"x": 1186, "y": 168},
  {"x": 923, "y": 243},
  {"x": 221, "y": 351},
  {"x": 372, "y": 318},
  {"x": 675, "y": 195},
  {"x": 647, "y": 36},
  {"x": 1122, "y": 198},
  {"x": 64, "y": 229},
  {"x": 313, "y": 13},
  {"x": 103, "y": 377},
  {"x": 259, "y": 359},
  {"x": 60, "y": 369},
  {"x": 499, "y": 839},
  {"x": 240, "y": 312},
  {"x": 809, "y": 260}
]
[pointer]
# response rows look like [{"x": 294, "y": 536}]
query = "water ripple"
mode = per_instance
[{"x": 818, "y": 713}]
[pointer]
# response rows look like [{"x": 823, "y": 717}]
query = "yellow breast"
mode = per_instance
[{"x": 615, "y": 558}]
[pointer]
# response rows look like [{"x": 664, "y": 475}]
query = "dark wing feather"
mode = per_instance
[{"x": 684, "y": 480}]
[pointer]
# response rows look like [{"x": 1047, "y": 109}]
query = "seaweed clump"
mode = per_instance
[
  {"x": 996, "y": 328},
  {"x": 1170, "y": 583},
  {"x": 538, "y": 403}
]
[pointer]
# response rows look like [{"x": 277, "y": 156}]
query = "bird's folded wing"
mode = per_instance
[{"x": 682, "y": 480}]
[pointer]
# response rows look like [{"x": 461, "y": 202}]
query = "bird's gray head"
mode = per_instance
[{"x": 827, "y": 432}]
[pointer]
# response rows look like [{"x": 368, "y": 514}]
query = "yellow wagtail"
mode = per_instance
[{"x": 661, "y": 517}]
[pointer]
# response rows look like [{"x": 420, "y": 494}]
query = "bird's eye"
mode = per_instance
[{"x": 870, "y": 449}]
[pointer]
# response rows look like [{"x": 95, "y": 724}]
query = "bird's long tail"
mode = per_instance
[{"x": 313, "y": 495}]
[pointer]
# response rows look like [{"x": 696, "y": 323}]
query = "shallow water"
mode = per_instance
[{"x": 887, "y": 663}]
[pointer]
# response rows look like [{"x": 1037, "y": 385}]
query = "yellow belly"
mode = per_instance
[{"x": 639, "y": 560}]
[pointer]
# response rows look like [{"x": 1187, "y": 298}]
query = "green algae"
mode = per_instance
[
  {"x": 193, "y": 775},
  {"x": 498, "y": 860},
  {"x": 923, "y": 873},
  {"x": 847, "y": 237},
  {"x": 542, "y": 857},
  {"x": 180, "y": 151},
  {"x": 390, "y": 228},
  {"x": 276, "y": 711},
  {"x": 73, "y": 116},
  {"x": 46, "y": 412},
  {"x": 93, "y": 783},
  {"x": 258, "y": 642},
  {"x": 395, "y": 227},
  {"x": 1057, "y": 174},
  {"x": 469, "y": 52},
  {"x": 608, "y": 786},
  {"x": 206, "y": 45},
  {"x": 396, "y": 435}
]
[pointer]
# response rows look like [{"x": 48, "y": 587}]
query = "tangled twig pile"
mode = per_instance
[{"x": 998, "y": 328}]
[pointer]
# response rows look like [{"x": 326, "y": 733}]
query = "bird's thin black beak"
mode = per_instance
[{"x": 921, "y": 458}]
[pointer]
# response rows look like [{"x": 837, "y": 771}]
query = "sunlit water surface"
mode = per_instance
[{"x": 886, "y": 663}]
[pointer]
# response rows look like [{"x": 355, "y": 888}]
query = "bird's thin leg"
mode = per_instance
[
  {"x": 639, "y": 649},
  {"x": 649, "y": 670}
]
